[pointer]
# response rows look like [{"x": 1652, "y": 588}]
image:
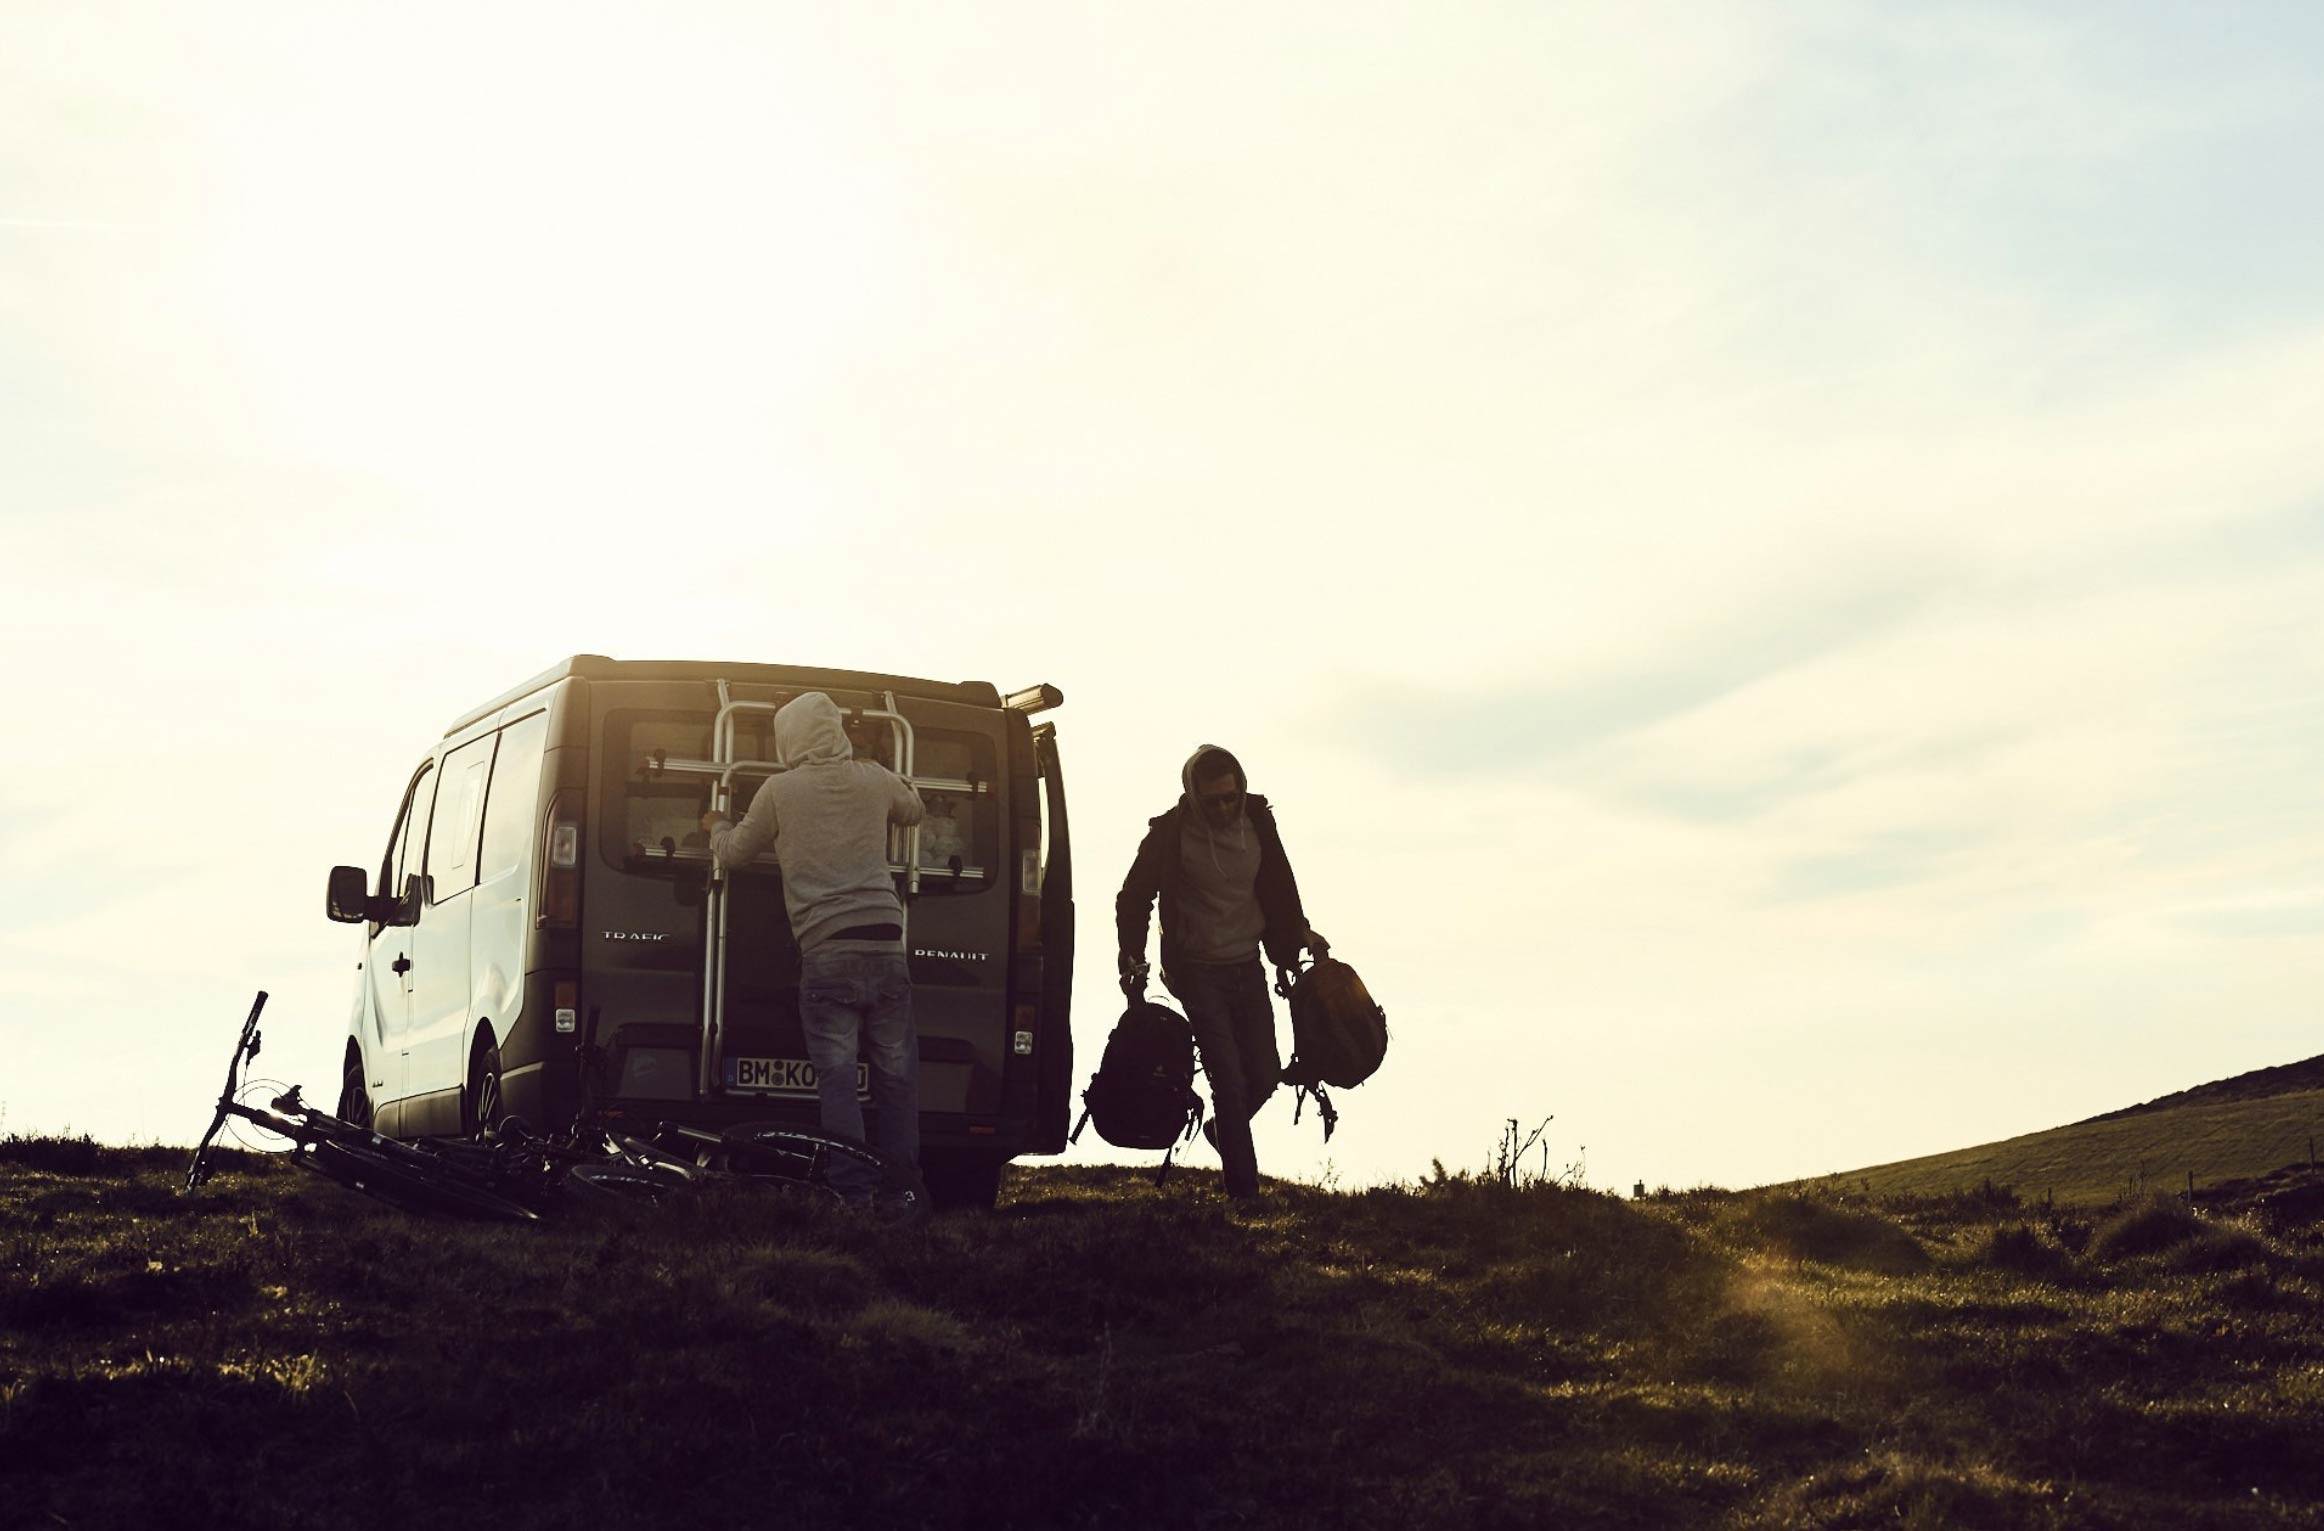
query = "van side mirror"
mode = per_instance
[{"x": 349, "y": 899}]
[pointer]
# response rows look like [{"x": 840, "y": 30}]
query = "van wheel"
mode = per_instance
[
  {"x": 480, "y": 1105},
  {"x": 354, "y": 1099},
  {"x": 972, "y": 1185}
]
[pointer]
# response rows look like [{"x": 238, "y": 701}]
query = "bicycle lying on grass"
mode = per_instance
[{"x": 513, "y": 1174}]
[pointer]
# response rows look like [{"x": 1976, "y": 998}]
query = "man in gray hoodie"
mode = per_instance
[
  {"x": 1215, "y": 863},
  {"x": 827, "y": 815}
]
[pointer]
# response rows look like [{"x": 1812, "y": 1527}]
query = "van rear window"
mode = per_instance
[
  {"x": 653, "y": 813},
  {"x": 960, "y": 838}
]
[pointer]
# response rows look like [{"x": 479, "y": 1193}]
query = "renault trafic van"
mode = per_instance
[{"x": 546, "y": 928}]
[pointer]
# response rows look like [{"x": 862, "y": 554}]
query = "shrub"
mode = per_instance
[
  {"x": 1811, "y": 1230},
  {"x": 2158, "y": 1223},
  {"x": 2223, "y": 1248},
  {"x": 2021, "y": 1248},
  {"x": 57, "y": 1155},
  {"x": 2255, "y": 1291}
]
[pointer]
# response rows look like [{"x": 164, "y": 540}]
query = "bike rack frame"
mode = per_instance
[{"x": 723, "y": 768}]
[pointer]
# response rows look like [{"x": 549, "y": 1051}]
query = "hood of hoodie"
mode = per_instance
[
  {"x": 1199, "y": 830},
  {"x": 808, "y": 731},
  {"x": 1225, "y": 761}
]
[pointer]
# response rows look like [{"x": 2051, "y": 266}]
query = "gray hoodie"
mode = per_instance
[
  {"x": 1223, "y": 920},
  {"x": 827, "y": 815}
]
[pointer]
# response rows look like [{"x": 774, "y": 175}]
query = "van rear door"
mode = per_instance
[
  {"x": 959, "y": 923},
  {"x": 1053, "y": 1046},
  {"x": 957, "y": 930},
  {"x": 643, "y": 936}
]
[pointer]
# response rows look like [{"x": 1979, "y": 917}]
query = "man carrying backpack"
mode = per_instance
[
  {"x": 827, "y": 814},
  {"x": 1216, "y": 862}
]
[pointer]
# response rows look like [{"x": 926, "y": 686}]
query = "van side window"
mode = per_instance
[
  {"x": 398, "y": 860},
  {"x": 512, "y": 806},
  {"x": 451, "y": 863},
  {"x": 961, "y": 835}
]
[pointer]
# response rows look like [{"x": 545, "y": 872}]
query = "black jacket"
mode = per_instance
[{"x": 1158, "y": 871}]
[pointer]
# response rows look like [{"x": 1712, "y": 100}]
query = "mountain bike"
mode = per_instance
[
  {"x": 513, "y": 1174},
  {"x": 401, "y": 1174}
]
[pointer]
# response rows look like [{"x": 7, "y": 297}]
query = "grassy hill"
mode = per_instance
[
  {"x": 283, "y": 1352},
  {"x": 2233, "y": 1129},
  {"x": 2284, "y": 1079}
]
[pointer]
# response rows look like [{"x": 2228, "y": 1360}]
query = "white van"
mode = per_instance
[{"x": 545, "y": 928}]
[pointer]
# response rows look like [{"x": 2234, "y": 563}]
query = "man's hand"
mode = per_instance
[
  {"x": 1318, "y": 945},
  {"x": 712, "y": 820},
  {"x": 1134, "y": 973}
]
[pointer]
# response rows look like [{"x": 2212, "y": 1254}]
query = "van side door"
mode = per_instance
[
  {"x": 436, "y": 1068},
  {"x": 387, "y": 964},
  {"x": 500, "y": 919}
]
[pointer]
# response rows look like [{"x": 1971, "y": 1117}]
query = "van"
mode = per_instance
[{"x": 546, "y": 930}]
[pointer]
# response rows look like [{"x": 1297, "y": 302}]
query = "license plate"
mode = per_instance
[{"x": 783, "y": 1076}]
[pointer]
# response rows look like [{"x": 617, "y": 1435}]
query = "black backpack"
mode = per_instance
[
  {"x": 1142, "y": 1095},
  {"x": 1339, "y": 1033}
]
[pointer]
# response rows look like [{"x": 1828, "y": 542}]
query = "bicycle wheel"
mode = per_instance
[
  {"x": 613, "y": 1184},
  {"x": 403, "y": 1178},
  {"x": 802, "y": 1159}
]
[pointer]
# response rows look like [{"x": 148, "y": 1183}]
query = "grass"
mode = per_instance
[
  {"x": 279, "y": 1351},
  {"x": 2098, "y": 1162}
]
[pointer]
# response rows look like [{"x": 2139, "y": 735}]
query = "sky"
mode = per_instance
[{"x": 1767, "y": 555}]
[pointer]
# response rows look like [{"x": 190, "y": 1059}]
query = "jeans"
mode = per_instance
[
  {"x": 1234, "y": 1030},
  {"x": 843, "y": 994}
]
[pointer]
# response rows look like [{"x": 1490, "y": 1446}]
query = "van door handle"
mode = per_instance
[{"x": 402, "y": 964}]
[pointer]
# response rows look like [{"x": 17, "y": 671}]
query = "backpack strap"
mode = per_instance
[
  {"x": 1075, "y": 1135},
  {"x": 1323, "y": 1107},
  {"x": 1194, "y": 1110}
]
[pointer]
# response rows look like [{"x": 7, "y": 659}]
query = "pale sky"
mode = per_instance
[{"x": 1768, "y": 555}]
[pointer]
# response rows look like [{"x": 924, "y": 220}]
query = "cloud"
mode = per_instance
[
  {"x": 1525, "y": 728},
  {"x": 1743, "y": 788},
  {"x": 2294, "y": 912},
  {"x": 1884, "y": 863}
]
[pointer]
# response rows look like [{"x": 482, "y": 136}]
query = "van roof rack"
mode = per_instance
[{"x": 974, "y": 693}]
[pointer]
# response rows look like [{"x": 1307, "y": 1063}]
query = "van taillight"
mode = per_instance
[
  {"x": 1028, "y": 885},
  {"x": 561, "y": 884}
]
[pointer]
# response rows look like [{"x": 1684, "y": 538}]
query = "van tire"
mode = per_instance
[
  {"x": 354, "y": 1094},
  {"x": 965, "y": 1185},
  {"x": 480, "y": 1104}
]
